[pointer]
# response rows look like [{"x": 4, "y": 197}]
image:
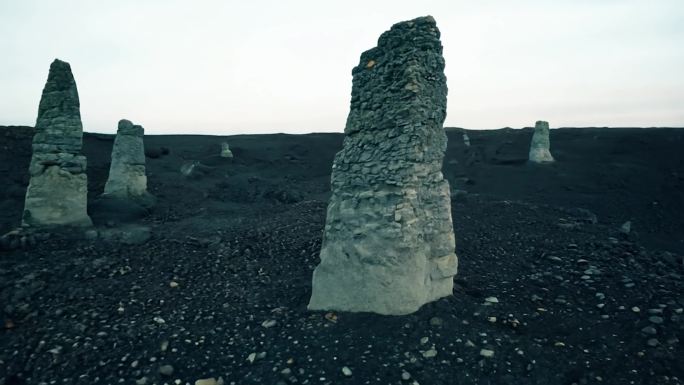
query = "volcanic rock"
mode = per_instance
[
  {"x": 127, "y": 179},
  {"x": 540, "y": 146},
  {"x": 389, "y": 243},
  {"x": 58, "y": 189}
]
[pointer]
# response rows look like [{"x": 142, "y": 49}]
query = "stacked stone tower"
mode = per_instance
[
  {"x": 389, "y": 242},
  {"x": 540, "y": 145},
  {"x": 127, "y": 178},
  {"x": 57, "y": 194}
]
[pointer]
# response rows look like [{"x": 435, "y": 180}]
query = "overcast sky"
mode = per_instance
[{"x": 230, "y": 67}]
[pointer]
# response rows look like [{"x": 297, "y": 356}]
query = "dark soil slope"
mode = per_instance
[{"x": 548, "y": 290}]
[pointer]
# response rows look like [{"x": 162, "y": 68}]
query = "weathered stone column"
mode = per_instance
[
  {"x": 540, "y": 145},
  {"x": 127, "y": 179},
  {"x": 57, "y": 194},
  {"x": 389, "y": 242}
]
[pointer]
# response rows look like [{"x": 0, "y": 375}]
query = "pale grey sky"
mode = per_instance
[{"x": 230, "y": 67}]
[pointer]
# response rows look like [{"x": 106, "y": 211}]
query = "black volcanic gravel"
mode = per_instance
[
  {"x": 565, "y": 309},
  {"x": 546, "y": 293}
]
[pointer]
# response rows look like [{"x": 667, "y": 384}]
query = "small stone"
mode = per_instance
[
  {"x": 173, "y": 284},
  {"x": 656, "y": 319},
  {"x": 649, "y": 330},
  {"x": 490, "y": 300},
  {"x": 430, "y": 353},
  {"x": 251, "y": 357},
  {"x": 269, "y": 323},
  {"x": 405, "y": 375},
  {"x": 424, "y": 340},
  {"x": 166, "y": 370},
  {"x": 487, "y": 353},
  {"x": 141, "y": 381},
  {"x": 652, "y": 342},
  {"x": 436, "y": 321},
  {"x": 346, "y": 371},
  {"x": 206, "y": 381},
  {"x": 626, "y": 227},
  {"x": 491, "y": 319},
  {"x": 636, "y": 309},
  {"x": 159, "y": 320},
  {"x": 164, "y": 346}
]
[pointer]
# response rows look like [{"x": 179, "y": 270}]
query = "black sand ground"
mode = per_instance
[{"x": 577, "y": 301}]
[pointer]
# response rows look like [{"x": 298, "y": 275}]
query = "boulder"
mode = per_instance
[{"x": 389, "y": 243}]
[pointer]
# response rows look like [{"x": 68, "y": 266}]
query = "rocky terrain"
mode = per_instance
[{"x": 550, "y": 290}]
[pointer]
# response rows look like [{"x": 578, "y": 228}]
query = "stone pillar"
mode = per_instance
[
  {"x": 540, "y": 145},
  {"x": 127, "y": 179},
  {"x": 389, "y": 244},
  {"x": 57, "y": 194}
]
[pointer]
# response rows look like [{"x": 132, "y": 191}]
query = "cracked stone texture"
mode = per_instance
[
  {"x": 127, "y": 177},
  {"x": 540, "y": 145},
  {"x": 389, "y": 243},
  {"x": 57, "y": 194}
]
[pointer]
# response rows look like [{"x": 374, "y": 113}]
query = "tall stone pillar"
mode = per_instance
[
  {"x": 540, "y": 145},
  {"x": 57, "y": 194},
  {"x": 388, "y": 245},
  {"x": 127, "y": 178}
]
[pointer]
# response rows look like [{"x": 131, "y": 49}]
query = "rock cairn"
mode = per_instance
[
  {"x": 57, "y": 194},
  {"x": 225, "y": 150},
  {"x": 389, "y": 242},
  {"x": 127, "y": 179},
  {"x": 540, "y": 145}
]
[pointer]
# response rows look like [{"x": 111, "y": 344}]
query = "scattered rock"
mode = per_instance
[{"x": 166, "y": 370}]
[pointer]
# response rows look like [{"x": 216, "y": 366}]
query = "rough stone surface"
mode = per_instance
[
  {"x": 389, "y": 243},
  {"x": 540, "y": 146},
  {"x": 57, "y": 192},
  {"x": 127, "y": 177}
]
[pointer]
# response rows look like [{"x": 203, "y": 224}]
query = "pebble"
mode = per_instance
[
  {"x": 166, "y": 370},
  {"x": 649, "y": 330},
  {"x": 436, "y": 321},
  {"x": 486, "y": 353},
  {"x": 655, "y": 319},
  {"x": 141, "y": 381},
  {"x": 346, "y": 371},
  {"x": 405, "y": 375},
  {"x": 251, "y": 357},
  {"x": 269, "y": 323},
  {"x": 490, "y": 300},
  {"x": 206, "y": 381},
  {"x": 173, "y": 284},
  {"x": 636, "y": 309},
  {"x": 652, "y": 342},
  {"x": 430, "y": 353}
]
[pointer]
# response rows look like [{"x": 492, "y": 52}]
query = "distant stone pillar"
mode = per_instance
[
  {"x": 466, "y": 139},
  {"x": 225, "y": 150},
  {"x": 540, "y": 145},
  {"x": 389, "y": 242},
  {"x": 57, "y": 194},
  {"x": 127, "y": 179}
]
